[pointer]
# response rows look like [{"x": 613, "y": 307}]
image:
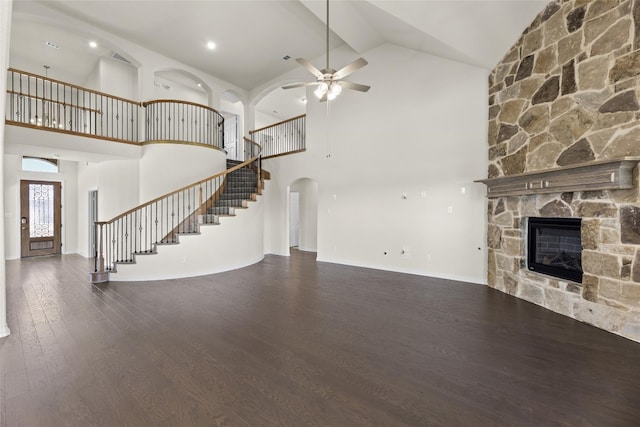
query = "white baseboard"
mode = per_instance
[{"x": 4, "y": 332}]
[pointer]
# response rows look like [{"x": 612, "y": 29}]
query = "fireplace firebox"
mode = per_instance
[{"x": 555, "y": 248}]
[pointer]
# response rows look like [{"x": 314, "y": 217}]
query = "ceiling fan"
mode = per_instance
[{"x": 328, "y": 80}]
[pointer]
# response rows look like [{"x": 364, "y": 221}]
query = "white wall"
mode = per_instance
[
  {"x": 118, "y": 191},
  {"x": 166, "y": 167},
  {"x": 170, "y": 89},
  {"x": 421, "y": 129},
  {"x": 12, "y": 175},
  {"x": 93, "y": 79},
  {"x": 263, "y": 120},
  {"x": 87, "y": 181},
  {"x": 231, "y": 107},
  {"x": 118, "y": 78}
]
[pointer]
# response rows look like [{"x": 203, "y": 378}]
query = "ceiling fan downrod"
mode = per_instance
[{"x": 327, "y": 67}]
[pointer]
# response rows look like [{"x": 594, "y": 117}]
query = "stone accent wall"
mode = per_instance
[{"x": 567, "y": 93}]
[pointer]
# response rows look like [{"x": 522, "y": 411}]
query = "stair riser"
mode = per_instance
[
  {"x": 236, "y": 196},
  {"x": 236, "y": 184},
  {"x": 230, "y": 203}
]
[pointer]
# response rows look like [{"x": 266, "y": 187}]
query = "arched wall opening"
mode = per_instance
[
  {"x": 279, "y": 104},
  {"x": 303, "y": 215},
  {"x": 180, "y": 85}
]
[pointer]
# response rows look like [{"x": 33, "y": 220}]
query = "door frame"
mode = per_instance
[
  {"x": 92, "y": 244},
  {"x": 294, "y": 219},
  {"x": 58, "y": 239}
]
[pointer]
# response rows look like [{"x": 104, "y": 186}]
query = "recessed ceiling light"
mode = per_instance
[
  {"x": 52, "y": 45},
  {"x": 93, "y": 44},
  {"x": 211, "y": 45},
  {"x": 199, "y": 84},
  {"x": 303, "y": 100}
]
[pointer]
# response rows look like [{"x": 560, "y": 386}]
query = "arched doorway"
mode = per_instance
[
  {"x": 303, "y": 215},
  {"x": 232, "y": 108},
  {"x": 180, "y": 85},
  {"x": 279, "y": 105}
]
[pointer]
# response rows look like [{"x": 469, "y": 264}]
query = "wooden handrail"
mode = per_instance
[
  {"x": 277, "y": 124},
  {"x": 73, "y": 86},
  {"x": 53, "y": 101},
  {"x": 186, "y": 187},
  {"x": 302, "y": 150},
  {"x": 177, "y": 101}
]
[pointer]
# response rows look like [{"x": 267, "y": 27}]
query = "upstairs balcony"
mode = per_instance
[{"x": 41, "y": 103}]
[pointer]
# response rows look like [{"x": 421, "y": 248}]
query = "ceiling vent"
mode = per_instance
[
  {"x": 162, "y": 85},
  {"x": 116, "y": 55},
  {"x": 227, "y": 95}
]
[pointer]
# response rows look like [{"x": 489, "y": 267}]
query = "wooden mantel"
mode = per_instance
[{"x": 616, "y": 174}]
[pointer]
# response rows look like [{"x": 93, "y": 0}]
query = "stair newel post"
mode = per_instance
[
  {"x": 201, "y": 201},
  {"x": 100, "y": 249},
  {"x": 100, "y": 276}
]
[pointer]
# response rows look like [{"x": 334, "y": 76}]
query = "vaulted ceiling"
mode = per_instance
[{"x": 252, "y": 37}]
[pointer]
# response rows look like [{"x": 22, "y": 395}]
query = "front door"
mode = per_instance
[{"x": 40, "y": 213}]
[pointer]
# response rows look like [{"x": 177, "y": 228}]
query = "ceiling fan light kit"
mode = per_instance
[{"x": 329, "y": 81}]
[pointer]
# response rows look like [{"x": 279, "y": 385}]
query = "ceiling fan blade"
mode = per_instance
[
  {"x": 309, "y": 66},
  {"x": 345, "y": 71},
  {"x": 295, "y": 85},
  {"x": 354, "y": 86}
]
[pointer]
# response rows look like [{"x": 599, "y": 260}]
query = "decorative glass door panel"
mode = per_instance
[{"x": 40, "y": 218}]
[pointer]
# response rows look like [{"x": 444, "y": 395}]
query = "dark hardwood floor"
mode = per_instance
[{"x": 294, "y": 342}]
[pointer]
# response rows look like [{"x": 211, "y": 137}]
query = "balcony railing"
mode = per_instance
[
  {"x": 40, "y": 102},
  {"x": 173, "y": 120},
  {"x": 286, "y": 137}
]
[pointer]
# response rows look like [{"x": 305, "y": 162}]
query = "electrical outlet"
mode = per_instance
[
  {"x": 450, "y": 209},
  {"x": 405, "y": 252},
  {"x": 423, "y": 194},
  {"x": 429, "y": 257}
]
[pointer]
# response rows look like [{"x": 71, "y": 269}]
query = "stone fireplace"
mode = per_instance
[{"x": 564, "y": 142}]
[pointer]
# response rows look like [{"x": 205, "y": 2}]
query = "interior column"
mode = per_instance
[{"x": 5, "y": 32}]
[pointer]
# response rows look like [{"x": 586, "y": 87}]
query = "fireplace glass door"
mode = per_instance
[{"x": 555, "y": 247}]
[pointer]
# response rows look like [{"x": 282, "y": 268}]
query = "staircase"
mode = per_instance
[
  {"x": 137, "y": 236},
  {"x": 238, "y": 189},
  {"x": 241, "y": 187}
]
